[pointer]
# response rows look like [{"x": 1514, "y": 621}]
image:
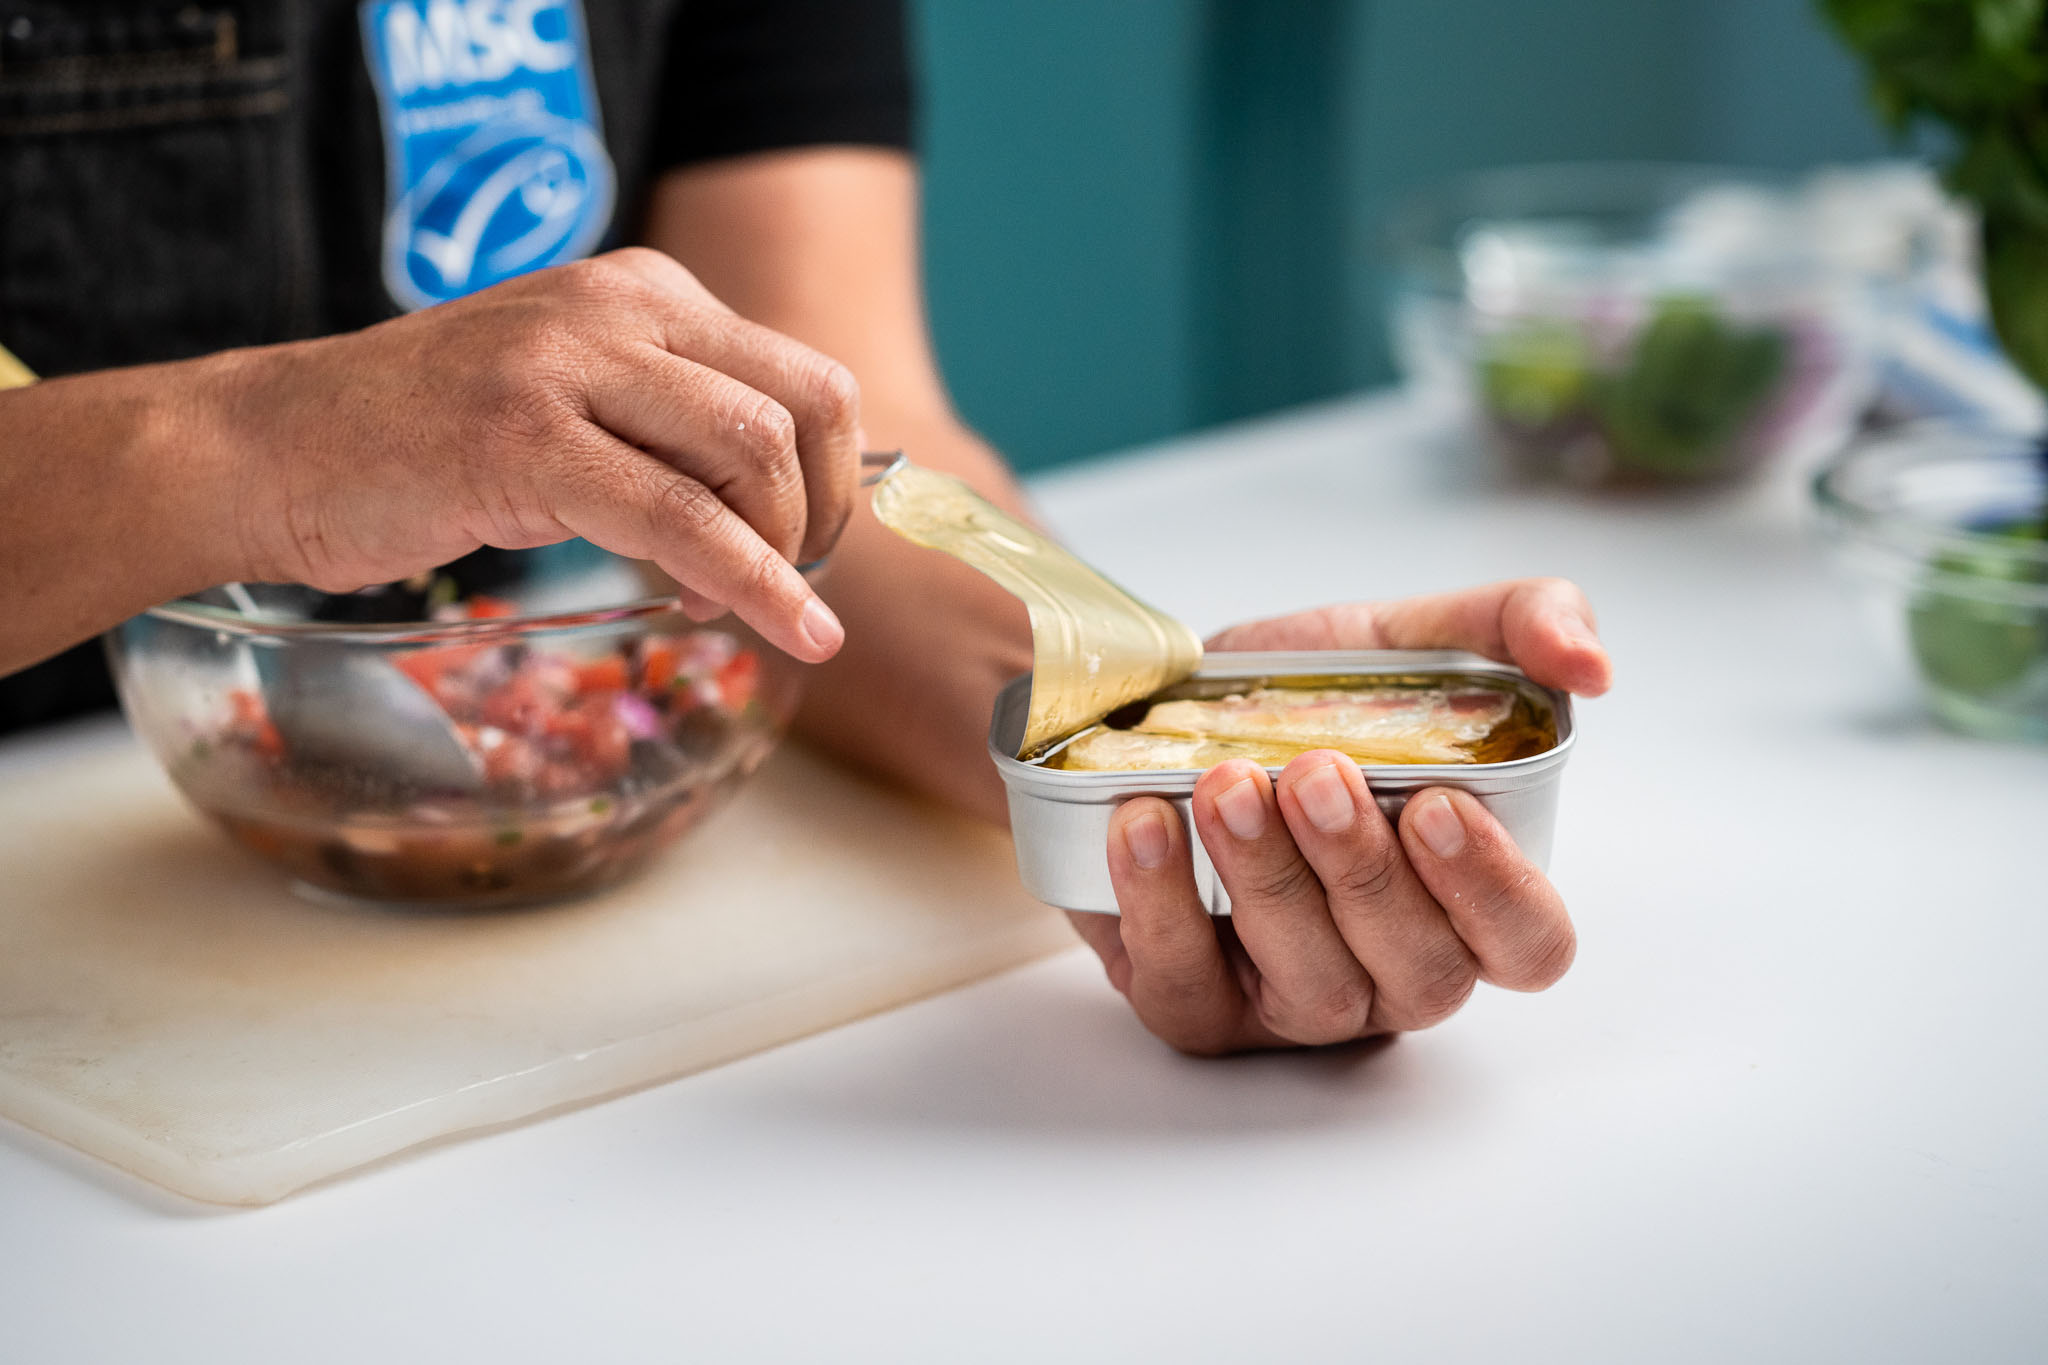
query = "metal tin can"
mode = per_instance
[{"x": 1060, "y": 819}]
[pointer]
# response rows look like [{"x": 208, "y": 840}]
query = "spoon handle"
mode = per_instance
[{"x": 877, "y": 465}]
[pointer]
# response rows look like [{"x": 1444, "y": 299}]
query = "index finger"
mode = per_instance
[{"x": 634, "y": 505}]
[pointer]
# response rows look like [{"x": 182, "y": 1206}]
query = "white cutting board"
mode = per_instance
[{"x": 168, "y": 1005}]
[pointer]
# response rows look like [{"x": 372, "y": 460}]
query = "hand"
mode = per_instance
[
  {"x": 1343, "y": 926},
  {"x": 613, "y": 398}
]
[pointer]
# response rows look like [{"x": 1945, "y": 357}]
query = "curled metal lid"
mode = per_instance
[{"x": 1094, "y": 647}]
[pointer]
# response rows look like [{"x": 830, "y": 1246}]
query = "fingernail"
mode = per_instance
[
  {"x": 1326, "y": 799},
  {"x": 1146, "y": 837},
  {"x": 1243, "y": 808},
  {"x": 821, "y": 627},
  {"x": 1436, "y": 820}
]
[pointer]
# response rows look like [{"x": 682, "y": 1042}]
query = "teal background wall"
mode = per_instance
[{"x": 1145, "y": 216}]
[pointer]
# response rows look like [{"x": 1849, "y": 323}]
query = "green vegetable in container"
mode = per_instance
[
  {"x": 1689, "y": 385},
  {"x": 1536, "y": 373},
  {"x": 1693, "y": 383},
  {"x": 1967, "y": 643}
]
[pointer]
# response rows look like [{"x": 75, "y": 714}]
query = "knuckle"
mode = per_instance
[
  {"x": 1502, "y": 899},
  {"x": 768, "y": 433},
  {"x": 1337, "y": 1015},
  {"x": 1444, "y": 984},
  {"x": 599, "y": 281},
  {"x": 1181, "y": 1012},
  {"x": 1159, "y": 938},
  {"x": 1560, "y": 950},
  {"x": 765, "y": 577},
  {"x": 1369, "y": 877},
  {"x": 684, "y": 506},
  {"x": 626, "y": 257},
  {"x": 835, "y": 393},
  {"x": 540, "y": 355},
  {"x": 643, "y": 262},
  {"x": 1543, "y": 962},
  {"x": 590, "y": 275},
  {"x": 1282, "y": 883},
  {"x": 1205, "y": 1039},
  {"x": 523, "y": 412}
]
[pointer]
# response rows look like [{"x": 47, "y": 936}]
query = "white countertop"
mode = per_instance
[{"x": 1791, "y": 1104}]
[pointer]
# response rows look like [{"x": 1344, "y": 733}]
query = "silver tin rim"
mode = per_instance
[{"x": 1006, "y": 726}]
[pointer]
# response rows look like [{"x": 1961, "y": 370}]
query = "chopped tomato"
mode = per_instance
[
  {"x": 604, "y": 745},
  {"x": 251, "y": 724},
  {"x": 266, "y": 741},
  {"x": 738, "y": 679},
  {"x": 483, "y": 608},
  {"x": 430, "y": 667},
  {"x": 561, "y": 778},
  {"x": 512, "y": 760},
  {"x": 248, "y": 708},
  {"x": 602, "y": 675},
  {"x": 658, "y": 666},
  {"x": 592, "y": 735},
  {"x": 518, "y": 705},
  {"x": 570, "y": 723}
]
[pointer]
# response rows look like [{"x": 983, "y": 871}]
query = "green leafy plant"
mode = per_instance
[{"x": 1979, "y": 68}]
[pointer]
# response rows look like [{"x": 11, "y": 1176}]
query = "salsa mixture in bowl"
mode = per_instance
[{"x": 522, "y": 726}]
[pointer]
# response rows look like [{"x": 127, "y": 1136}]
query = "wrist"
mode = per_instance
[
  {"x": 115, "y": 494},
  {"x": 217, "y": 463}
]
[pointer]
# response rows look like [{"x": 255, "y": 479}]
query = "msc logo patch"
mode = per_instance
[{"x": 492, "y": 145}]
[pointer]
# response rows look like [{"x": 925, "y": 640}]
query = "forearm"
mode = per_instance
[{"x": 112, "y": 494}]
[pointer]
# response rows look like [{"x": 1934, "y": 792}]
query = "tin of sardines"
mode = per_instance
[{"x": 1411, "y": 718}]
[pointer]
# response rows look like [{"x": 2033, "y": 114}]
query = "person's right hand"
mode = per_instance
[{"x": 613, "y": 398}]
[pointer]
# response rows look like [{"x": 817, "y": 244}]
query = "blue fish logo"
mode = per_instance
[{"x": 496, "y": 162}]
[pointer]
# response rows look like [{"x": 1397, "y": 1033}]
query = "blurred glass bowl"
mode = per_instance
[
  {"x": 602, "y": 723},
  {"x": 1632, "y": 323},
  {"x": 1940, "y": 532}
]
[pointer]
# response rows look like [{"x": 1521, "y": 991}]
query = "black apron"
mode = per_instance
[{"x": 181, "y": 177}]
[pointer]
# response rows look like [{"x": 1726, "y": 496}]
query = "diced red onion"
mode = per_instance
[{"x": 640, "y": 718}]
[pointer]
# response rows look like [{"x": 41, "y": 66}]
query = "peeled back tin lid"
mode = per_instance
[{"x": 1094, "y": 647}]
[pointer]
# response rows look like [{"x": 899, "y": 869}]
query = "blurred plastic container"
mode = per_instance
[
  {"x": 1939, "y": 530},
  {"x": 1635, "y": 323}
]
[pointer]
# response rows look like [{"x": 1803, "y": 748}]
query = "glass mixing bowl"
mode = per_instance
[
  {"x": 1626, "y": 323},
  {"x": 581, "y": 725},
  {"x": 1939, "y": 531}
]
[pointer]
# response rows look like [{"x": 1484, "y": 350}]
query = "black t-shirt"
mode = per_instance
[{"x": 183, "y": 176}]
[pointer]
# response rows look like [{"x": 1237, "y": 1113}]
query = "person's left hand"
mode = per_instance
[{"x": 1342, "y": 925}]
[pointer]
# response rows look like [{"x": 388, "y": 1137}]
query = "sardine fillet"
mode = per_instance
[{"x": 1272, "y": 725}]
